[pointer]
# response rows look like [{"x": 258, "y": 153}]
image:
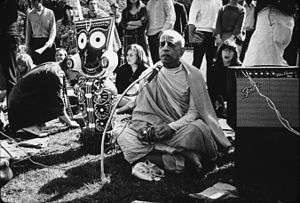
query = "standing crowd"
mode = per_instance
[{"x": 174, "y": 117}]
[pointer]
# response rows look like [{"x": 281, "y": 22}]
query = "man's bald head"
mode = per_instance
[
  {"x": 176, "y": 35},
  {"x": 171, "y": 48}
]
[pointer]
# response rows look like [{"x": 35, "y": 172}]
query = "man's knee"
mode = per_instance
[
  {"x": 127, "y": 137},
  {"x": 199, "y": 126}
]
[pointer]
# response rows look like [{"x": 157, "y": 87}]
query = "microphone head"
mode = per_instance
[
  {"x": 158, "y": 65},
  {"x": 154, "y": 72}
]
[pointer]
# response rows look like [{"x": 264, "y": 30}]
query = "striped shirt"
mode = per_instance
[{"x": 41, "y": 25}]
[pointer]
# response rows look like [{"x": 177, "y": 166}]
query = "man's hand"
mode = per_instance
[
  {"x": 218, "y": 40},
  {"x": 146, "y": 135},
  {"x": 163, "y": 131},
  {"x": 193, "y": 36}
]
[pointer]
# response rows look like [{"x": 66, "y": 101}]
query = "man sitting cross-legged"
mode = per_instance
[{"x": 173, "y": 118}]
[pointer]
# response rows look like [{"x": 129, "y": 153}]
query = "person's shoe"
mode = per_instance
[
  {"x": 147, "y": 171},
  {"x": 141, "y": 171}
]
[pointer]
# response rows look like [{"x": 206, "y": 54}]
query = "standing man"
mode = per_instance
[
  {"x": 40, "y": 33},
  {"x": 202, "y": 24},
  {"x": 162, "y": 17},
  {"x": 8, "y": 48},
  {"x": 95, "y": 11},
  {"x": 249, "y": 25},
  {"x": 181, "y": 18}
]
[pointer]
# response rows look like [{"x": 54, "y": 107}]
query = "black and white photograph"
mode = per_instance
[{"x": 149, "y": 101}]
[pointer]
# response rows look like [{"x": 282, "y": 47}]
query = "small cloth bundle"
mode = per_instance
[{"x": 148, "y": 171}]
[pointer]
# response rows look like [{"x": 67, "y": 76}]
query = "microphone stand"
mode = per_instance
[{"x": 105, "y": 179}]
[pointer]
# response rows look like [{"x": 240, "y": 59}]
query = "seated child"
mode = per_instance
[{"x": 60, "y": 54}]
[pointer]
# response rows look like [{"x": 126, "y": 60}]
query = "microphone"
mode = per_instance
[{"x": 154, "y": 73}]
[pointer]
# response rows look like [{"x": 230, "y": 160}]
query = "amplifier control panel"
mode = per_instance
[{"x": 269, "y": 73}]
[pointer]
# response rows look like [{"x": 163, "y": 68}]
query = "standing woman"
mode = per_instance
[
  {"x": 133, "y": 22},
  {"x": 40, "y": 33},
  {"x": 273, "y": 33}
]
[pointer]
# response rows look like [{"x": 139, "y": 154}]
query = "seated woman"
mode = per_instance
[
  {"x": 130, "y": 71},
  {"x": 216, "y": 76},
  {"x": 38, "y": 97}
]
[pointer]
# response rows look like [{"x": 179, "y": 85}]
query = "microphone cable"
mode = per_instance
[{"x": 103, "y": 177}]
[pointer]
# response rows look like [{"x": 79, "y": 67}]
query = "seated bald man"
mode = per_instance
[{"x": 173, "y": 119}]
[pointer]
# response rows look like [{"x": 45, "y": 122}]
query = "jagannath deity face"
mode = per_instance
[{"x": 93, "y": 38}]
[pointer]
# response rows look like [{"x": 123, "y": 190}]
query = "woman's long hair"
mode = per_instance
[
  {"x": 26, "y": 61},
  {"x": 227, "y": 45},
  {"x": 140, "y": 53}
]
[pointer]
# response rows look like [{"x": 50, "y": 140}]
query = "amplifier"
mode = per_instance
[
  {"x": 246, "y": 108},
  {"x": 267, "y": 154}
]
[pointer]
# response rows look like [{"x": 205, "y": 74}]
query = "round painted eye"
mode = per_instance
[
  {"x": 82, "y": 40},
  {"x": 70, "y": 63},
  {"x": 97, "y": 39}
]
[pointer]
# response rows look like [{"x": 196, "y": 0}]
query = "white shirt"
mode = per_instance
[
  {"x": 161, "y": 14},
  {"x": 203, "y": 14}
]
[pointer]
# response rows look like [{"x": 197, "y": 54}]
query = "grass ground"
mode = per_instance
[{"x": 70, "y": 175}]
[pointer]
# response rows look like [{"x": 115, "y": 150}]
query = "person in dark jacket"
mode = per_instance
[
  {"x": 181, "y": 18},
  {"x": 39, "y": 96},
  {"x": 8, "y": 41}
]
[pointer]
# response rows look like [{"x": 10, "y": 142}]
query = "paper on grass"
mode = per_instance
[{"x": 215, "y": 192}]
